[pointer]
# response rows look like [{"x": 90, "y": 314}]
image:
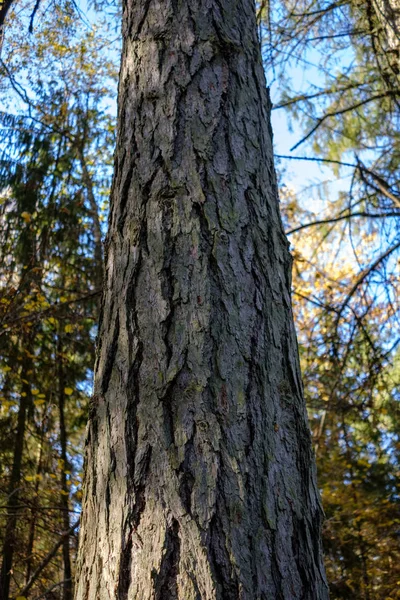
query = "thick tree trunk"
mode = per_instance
[{"x": 200, "y": 480}]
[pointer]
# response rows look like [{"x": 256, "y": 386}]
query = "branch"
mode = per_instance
[
  {"x": 383, "y": 186},
  {"x": 323, "y": 11},
  {"x": 47, "y": 559},
  {"x": 316, "y": 159},
  {"x": 35, "y": 9},
  {"x": 381, "y": 183},
  {"x": 37, "y": 508},
  {"x": 318, "y": 94},
  {"x": 336, "y": 219},
  {"x": 317, "y": 303},
  {"x": 343, "y": 111},
  {"x": 52, "y": 588},
  {"x": 52, "y": 310},
  {"x": 365, "y": 274}
]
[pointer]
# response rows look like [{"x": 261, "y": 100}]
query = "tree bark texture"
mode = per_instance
[{"x": 200, "y": 479}]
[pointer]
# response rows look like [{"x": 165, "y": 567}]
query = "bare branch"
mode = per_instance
[
  {"x": 342, "y": 111},
  {"x": 325, "y": 92},
  {"x": 47, "y": 559},
  {"x": 35, "y": 9},
  {"x": 53, "y": 587},
  {"x": 383, "y": 186},
  {"x": 364, "y": 274},
  {"x": 343, "y": 217}
]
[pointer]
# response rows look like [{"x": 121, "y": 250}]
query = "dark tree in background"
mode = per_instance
[{"x": 200, "y": 476}]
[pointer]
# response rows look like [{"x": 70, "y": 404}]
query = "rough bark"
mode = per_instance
[{"x": 200, "y": 479}]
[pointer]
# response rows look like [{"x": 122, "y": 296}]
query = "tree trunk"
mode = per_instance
[
  {"x": 10, "y": 536},
  {"x": 200, "y": 479},
  {"x": 95, "y": 223},
  {"x": 64, "y": 497},
  {"x": 35, "y": 505}
]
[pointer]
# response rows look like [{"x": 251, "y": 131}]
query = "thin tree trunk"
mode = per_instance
[
  {"x": 64, "y": 498},
  {"x": 200, "y": 479},
  {"x": 35, "y": 504},
  {"x": 14, "y": 485},
  {"x": 96, "y": 227}
]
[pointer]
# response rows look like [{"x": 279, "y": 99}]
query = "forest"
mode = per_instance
[{"x": 333, "y": 72}]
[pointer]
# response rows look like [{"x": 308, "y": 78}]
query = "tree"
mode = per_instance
[
  {"x": 346, "y": 283},
  {"x": 353, "y": 406},
  {"x": 200, "y": 477}
]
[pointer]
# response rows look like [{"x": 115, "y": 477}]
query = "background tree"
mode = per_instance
[
  {"x": 56, "y": 125},
  {"x": 346, "y": 275}
]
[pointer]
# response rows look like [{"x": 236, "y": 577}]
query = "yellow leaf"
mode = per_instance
[
  {"x": 68, "y": 328},
  {"x": 35, "y": 392},
  {"x": 64, "y": 493},
  {"x": 68, "y": 391},
  {"x": 27, "y": 218}
]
